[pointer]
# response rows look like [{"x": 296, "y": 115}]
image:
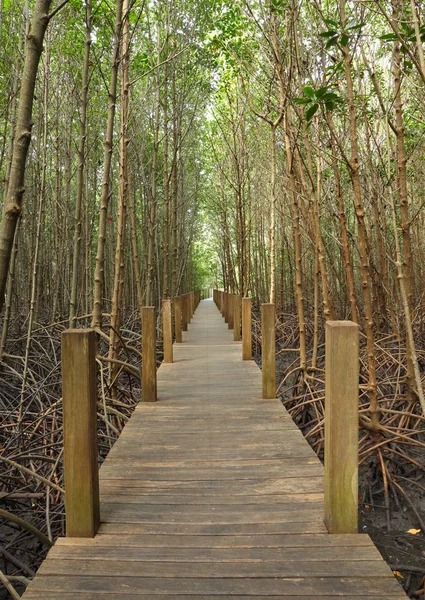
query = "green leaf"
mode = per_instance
[
  {"x": 331, "y": 22},
  {"x": 332, "y": 42},
  {"x": 328, "y": 34},
  {"x": 388, "y": 37},
  {"x": 321, "y": 92},
  {"x": 311, "y": 111},
  {"x": 309, "y": 91},
  {"x": 355, "y": 27},
  {"x": 345, "y": 38},
  {"x": 302, "y": 100}
]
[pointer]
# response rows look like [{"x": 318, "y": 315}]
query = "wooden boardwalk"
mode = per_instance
[{"x": 213, "y": 493}]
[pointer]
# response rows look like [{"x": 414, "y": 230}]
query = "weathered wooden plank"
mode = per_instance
[
  {"x": 234, "y": 570},
  {"x": 215, "y": 555},
  {"x": 129, "y": 513},
  {"x": 288, "y": 541},
  {"x": 118, "y": 596},
  {"x": 358, "y": 586},
  {"x": 215, "y": 529},
  {"x": 217, "y": 488}
]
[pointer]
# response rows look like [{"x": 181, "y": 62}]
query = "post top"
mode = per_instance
[
  {"x": 80, "y": 331},
  {"x": 335, "y": 324}
]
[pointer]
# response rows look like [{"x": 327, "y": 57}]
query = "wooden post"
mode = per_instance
[
  {"x": 268, "y": 350},
  {"x": 237, "y": 318},
  {"x": 230, "y": 311},
  {"x": 148, "y": 355},
  {"x": 341, "y": 426},
  {"x": 184, "y": 312},
  {"x": 225, "y": 306},
  {"x": 167, "y": 330},
  {"x": 81, "y": 471},
  {"x": 178, "y": 319},
  {"x": 246, "y": 329}
]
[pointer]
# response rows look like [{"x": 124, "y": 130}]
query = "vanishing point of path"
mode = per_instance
[{"x": 213, "y": 493}]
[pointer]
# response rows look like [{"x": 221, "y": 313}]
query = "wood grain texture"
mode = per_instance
[
  {"x": 246, "y": 329},
  {"x": 237, "y": 310},
  {"x": 178, "y": 319},
  {"x": 149, "y": 380},
  {"x": 268, "y": 350},
  {"x": 167, "y": 330},
  {"x": 212, "y": 492},
  {"x": 341, "y": 426},
  {"x": 80, "y": 432}
]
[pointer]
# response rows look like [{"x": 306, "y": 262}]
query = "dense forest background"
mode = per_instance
[{"x": 147, "y": 148}]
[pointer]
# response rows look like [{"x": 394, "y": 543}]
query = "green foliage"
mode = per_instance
[
  {"x": 407, "y": 34},
  {"x": 313, "y": 99},
  {"x": 335, "y": 35}
]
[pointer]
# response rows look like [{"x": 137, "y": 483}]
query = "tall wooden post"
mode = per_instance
[
  {"x": 230, "y": 315},
  {"x": 178, "y": 319},
  {"x": 167, "y": 330},
  {"x": 225, "y": 306},
  {"x": 184, "y": 312},
  {"x": 237, "y": 318},
  {"x": 246, "y": 329},
  {"x": 149, "y": 391},
  {"x": 341, "y": 426},
  {"x": 268, "y": 350},
  {"x": 81, "y": 471},
  {"x": 192, "y": 304}
]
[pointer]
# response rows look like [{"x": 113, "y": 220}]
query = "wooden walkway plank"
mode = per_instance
[{"x": 212, "y": 493}]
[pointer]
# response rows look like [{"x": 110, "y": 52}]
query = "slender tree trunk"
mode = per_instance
[
  {"x": 16, "y": 183},
  {"x": 80, "y": 172},
  {"x": 363, "y": 243},
  {"x": 99, "y": 277}
]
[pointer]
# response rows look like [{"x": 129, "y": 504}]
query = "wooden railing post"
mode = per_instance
[
  {"x": 225, "y": 306},
  {"x": 237, "y": 318},
  {"x": 184, "y": 312},
  {"x": 230, "y": 315},
  {"x": 341, "y": 426},
  {"x": 178, "y": 319},
  {"x": 246, "y": 329},
  {"x": 81, "y": 470},
  {"x": 167, "y": 330},
  {"x": 149, "y": 390},
  {"x": 268, "y": 350}
]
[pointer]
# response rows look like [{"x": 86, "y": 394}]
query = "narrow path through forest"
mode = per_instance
[{"x": 212, "y": 492}]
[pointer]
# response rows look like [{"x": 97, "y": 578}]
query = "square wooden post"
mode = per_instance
[
  {"x": 246, "y": 329},
  {"x": 225, "y": 306},
  {"x": 167, "y": 330},
  {"x": 268, "y": 350},
  {"x": 178, "y": 319},
  {"x": 341, "y": 426},
  {"x": 149, "y": 390},
  {"x": 230, "y": 311},
  {"x": 184, "y": 312},
  {"x": 237, "y": 301},
  {"x": 192, "y": 304},
  {"x": 81, "y": 471}
]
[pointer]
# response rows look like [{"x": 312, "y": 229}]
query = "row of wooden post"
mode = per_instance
[
  {"x": 341, "y": 399},
  {"x": 79, "y": 395}
]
